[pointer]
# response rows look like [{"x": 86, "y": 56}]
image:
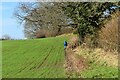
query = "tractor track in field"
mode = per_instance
[
  {"x": 23, "y": 68},
  {"x": 35, "y": 66},
  {"x": 74, "y": 63},
  {"x": 45, "y": 59}
]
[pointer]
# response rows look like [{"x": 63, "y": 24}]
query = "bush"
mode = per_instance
[
  {"x": 108, "y": 36},
  {"x": 65, "y": 31},
  {"x": 43, "y": 33},
  {"x": 73, "y": 43},
  {"x": 75, "y": 32},
  {"x": 40, "y": 34}
]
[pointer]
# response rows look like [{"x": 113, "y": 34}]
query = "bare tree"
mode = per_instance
[{"x": 36, "y": 16}]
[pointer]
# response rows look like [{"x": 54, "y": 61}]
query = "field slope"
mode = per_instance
[
  {"x": 44, "y": 58},
  {"x": 37, "y": 58}
]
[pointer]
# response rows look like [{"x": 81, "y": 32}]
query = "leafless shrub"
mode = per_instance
[
  {"x": 65, "y": 30},
  {"x": 73, "y": 43},
  {"x": 108, "y": 36},
  {"x": 52, "y": 33},
  {"x": 40, "y": 34}
]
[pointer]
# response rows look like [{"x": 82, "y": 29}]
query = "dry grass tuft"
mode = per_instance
[{"x": 108, "y": 36}]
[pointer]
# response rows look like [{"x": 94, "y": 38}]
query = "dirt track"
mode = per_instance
[{"x": 73, "y": 62}]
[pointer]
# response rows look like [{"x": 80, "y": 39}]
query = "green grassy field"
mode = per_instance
[
  {"x": 39, "y": 58},
  {"x": 44, "y": 58}
]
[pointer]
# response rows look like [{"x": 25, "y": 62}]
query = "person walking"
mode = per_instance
[{"x": 65, "y": 46}]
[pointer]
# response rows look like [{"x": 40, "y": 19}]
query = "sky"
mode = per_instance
[{"x": 8, "y": 22}]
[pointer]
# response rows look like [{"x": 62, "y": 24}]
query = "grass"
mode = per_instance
[
  {"x": 38, "y": 58},
  {"x": 44, "y": 58},
  {"x": 97, "y": 67},
  {"x": 99, "y": 71},
  {"x": 0, "y": 59}
]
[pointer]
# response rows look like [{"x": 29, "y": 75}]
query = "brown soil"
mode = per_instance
[{"x": 74, "y": 63}]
